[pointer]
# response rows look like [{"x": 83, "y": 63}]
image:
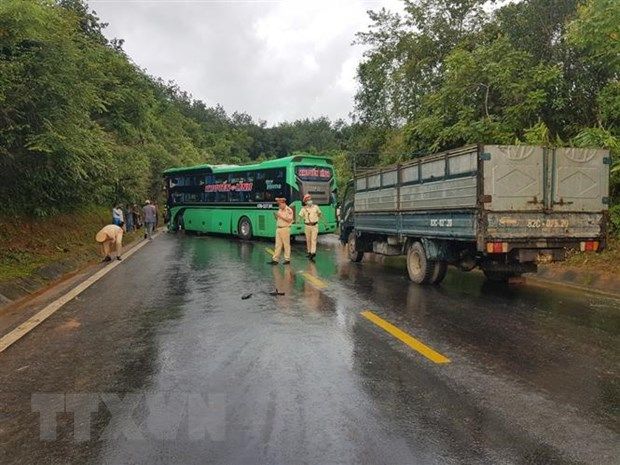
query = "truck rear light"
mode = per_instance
[
  {"x": 497, "y": 247},
  {"x": 588, "y": 246}
]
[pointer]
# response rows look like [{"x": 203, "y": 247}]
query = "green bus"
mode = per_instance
[{"x": 240, "y": 199}]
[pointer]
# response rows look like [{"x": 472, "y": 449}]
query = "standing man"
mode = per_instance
[
  {"x": 284, "y": 218},
  {"x": 117, "y": 215},
  {"x": 111, "y": 239},
  {"x": 311, "y": 214},
  {"x": 129, "y": 218},
  {"x": 137, "y": 218},
  {"x": 150, "y": 219}
]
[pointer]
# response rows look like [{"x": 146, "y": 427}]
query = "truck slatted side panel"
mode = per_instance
[
  {"x": 451, "y": 193},
  {"x": 377, "y": 200},
  {"x": 441, "y": 181}
]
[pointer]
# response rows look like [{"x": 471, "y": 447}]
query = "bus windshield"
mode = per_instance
[{"x": 316, "y": 181}]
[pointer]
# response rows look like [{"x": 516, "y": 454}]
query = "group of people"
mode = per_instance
[
  {"x": 310, "y": 214},
  {"x": 132, "y": 216},
  {"x": 110, "y": 237}
]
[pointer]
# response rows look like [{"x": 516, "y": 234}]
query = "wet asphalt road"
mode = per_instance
[{"x": 178, "y": 369}]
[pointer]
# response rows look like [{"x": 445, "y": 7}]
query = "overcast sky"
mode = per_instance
[{"x": 276, "y": 60}]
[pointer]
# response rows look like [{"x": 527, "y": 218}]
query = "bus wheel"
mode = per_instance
[
  {"x": 441, "y": 268},
  {"x": 180, "y": 221},
  {"x": 421, "y": 269},
  {"x": 244, "y": 229},
  {"x": 354, "y": 254}
]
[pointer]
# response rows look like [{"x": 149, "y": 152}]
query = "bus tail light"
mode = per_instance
[
  {"x": 497, "y": 247},
  {"x": 588, "y": 246}
]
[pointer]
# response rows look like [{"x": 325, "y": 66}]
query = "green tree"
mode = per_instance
[{"x": 491, "y": 94}]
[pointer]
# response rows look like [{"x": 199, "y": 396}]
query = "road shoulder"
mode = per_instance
[
  {"x": 29, "y": 300},
  {"x": 601, "y": 282}
]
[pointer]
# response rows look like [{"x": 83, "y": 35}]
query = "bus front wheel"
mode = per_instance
[{"x": 244, "y": 229}]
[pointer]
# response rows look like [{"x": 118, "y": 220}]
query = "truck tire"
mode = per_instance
[
  {"x": 420, "y": 268},
  {"x": 500, "y": 276},
  {"x": 354, "y": 254},
  {"x": 441, "y": 268},
  {"x": 180, "y": 220},
  {"x": 244, "y": 229}
]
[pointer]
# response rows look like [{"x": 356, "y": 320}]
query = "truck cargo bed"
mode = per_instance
[{"x": 488, "y": 192}]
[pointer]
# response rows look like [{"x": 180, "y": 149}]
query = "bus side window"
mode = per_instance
[
  {"x": 259, "y": 186},
  {"x": 209, "y": 196},
  {"x": 233, "y": 180},
  {"x": 221, "y": 197},
  {"x": 248, "y": 195}
]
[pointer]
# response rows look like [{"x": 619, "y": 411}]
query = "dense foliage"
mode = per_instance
[
  {"x": 450, "y": 72},
  {"x": 81, "y": 124}
]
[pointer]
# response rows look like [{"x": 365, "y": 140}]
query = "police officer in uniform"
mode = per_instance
[
  {"x": 311, "y": 214},
  {"x": 111, "y": 239},
  {"x": 284, "y": 219}
]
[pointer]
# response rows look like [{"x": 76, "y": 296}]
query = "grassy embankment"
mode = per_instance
[
  {"x": 607, "y": 261},
  {"x": 28, "y": 244}
]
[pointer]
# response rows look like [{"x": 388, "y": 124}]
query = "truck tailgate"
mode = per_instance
[
  {"x": 530, "y": 179},
  {"x": 580, "y": 179},
  {"x": 514, "y": 178},
  {"x": 541, "y": 193}
]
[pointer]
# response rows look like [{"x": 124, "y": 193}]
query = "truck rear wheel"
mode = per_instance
[
  {"x": 354, "y": 254},
  {"x": 441, "y": 268},
  {"x": 420, "y": 268}
]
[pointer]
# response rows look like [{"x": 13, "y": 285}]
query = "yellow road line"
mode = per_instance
[
  {"x": 406, "y": 338},
  {"x": 318, "y": 282},
  {"x": 34, "y": 321}
]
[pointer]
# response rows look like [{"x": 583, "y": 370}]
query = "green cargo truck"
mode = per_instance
[{"x": 502, "y": 208}]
